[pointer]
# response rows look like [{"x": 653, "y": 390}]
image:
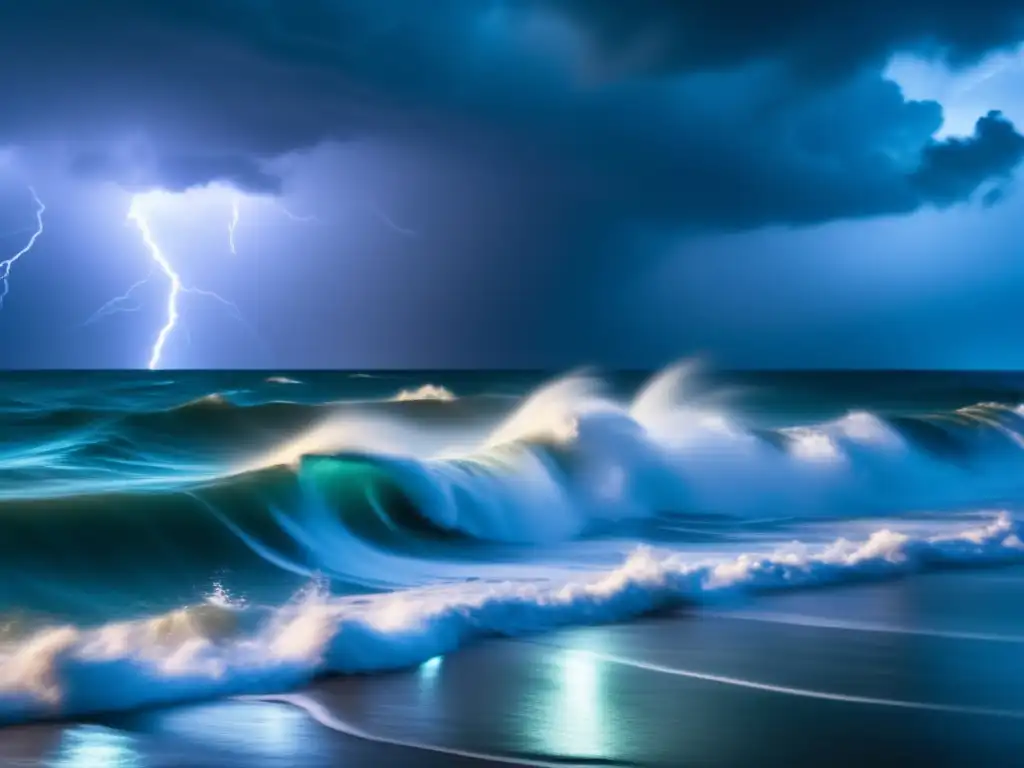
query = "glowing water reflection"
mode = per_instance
[
  {"x": 575, "y": 709},
  {"x": 429, "y": 670},
  {"x": 255, "y": 729},
  {"x": 93, "y": 746}
]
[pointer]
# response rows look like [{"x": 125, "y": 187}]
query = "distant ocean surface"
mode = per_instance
[{"x": 168, "y": 537}]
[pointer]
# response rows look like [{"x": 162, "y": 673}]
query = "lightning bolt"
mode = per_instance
[
  {"x": 136, "y": 216},
  {"x": 236, "y": 217},
  {"x": 372, "y": 207},
  {"x": 5, "y": 266},
  {"x": 163, "y": 266},
  {"x": 232, "y": 226},
  {"x": 117, "y": 303},
  {"x": 389, "y": 222},
  {"x": 294, "y": 216}
]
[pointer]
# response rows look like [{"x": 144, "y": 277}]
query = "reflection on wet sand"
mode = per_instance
[{"x": 615, "y": 696}]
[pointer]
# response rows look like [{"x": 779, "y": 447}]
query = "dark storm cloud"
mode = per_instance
[
  {"x": 141, "y": 170},
  {"x": 819, "y": 37},
  {"x": 993, "y": 197},
  {"x": 761, "y": 112},
  {"x": 954, "y": 169},
  {"x": 167, "y": 94}
]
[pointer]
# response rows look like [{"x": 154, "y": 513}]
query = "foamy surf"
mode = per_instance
[
  {"x": 422, "y": 521},
  {"x": 427, "y": 392},
  {"x": 224, "y": 649}
]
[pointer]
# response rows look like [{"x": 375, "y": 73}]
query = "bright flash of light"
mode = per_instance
[
  {"x": 162, "y": 265},
  {"x": 136, "y": 216},
  {"x": 233, "y": 225},
  {"x": 5, "y": 266}
]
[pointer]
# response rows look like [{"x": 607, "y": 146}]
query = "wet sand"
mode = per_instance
[{"x": 927, "y": 670}]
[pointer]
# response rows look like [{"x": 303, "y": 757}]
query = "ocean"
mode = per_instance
[{"x": 509, "y": 567}]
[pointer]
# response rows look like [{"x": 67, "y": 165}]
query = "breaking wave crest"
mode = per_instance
[
  {"x": 220, "y": 649},
  {"x": 570, "y": 462},
  {"x": 397, "y": 530}
]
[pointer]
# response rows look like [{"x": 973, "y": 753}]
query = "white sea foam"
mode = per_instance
[
  {"x": 425, "y": 392},
  {"x": 216, "y": 651},
  {"x": 568, "y": 459},
  {"x": 571, "y": 457}
]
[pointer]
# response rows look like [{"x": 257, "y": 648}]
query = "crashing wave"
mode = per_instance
[
  {"x": 426, "y": 392},
  {"x": 431, "y": 508},
  {"x": 210, "y": 651}
]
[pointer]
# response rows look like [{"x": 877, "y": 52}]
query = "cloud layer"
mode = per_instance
[{"x": 726, "y": 115}]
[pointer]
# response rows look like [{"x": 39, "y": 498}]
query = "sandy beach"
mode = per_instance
[{"x": 865, "y": 675}]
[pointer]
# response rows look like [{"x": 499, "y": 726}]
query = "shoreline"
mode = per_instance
[{"x": 684, "y": 689}]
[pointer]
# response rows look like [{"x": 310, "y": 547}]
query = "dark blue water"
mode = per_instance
[{"x": 173, "y": 536}]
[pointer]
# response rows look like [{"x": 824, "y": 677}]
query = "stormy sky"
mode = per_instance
[{"x": 513, "y": 183}]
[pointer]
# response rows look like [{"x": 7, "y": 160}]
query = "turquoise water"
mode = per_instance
[{"x": 174, "y": 536}]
